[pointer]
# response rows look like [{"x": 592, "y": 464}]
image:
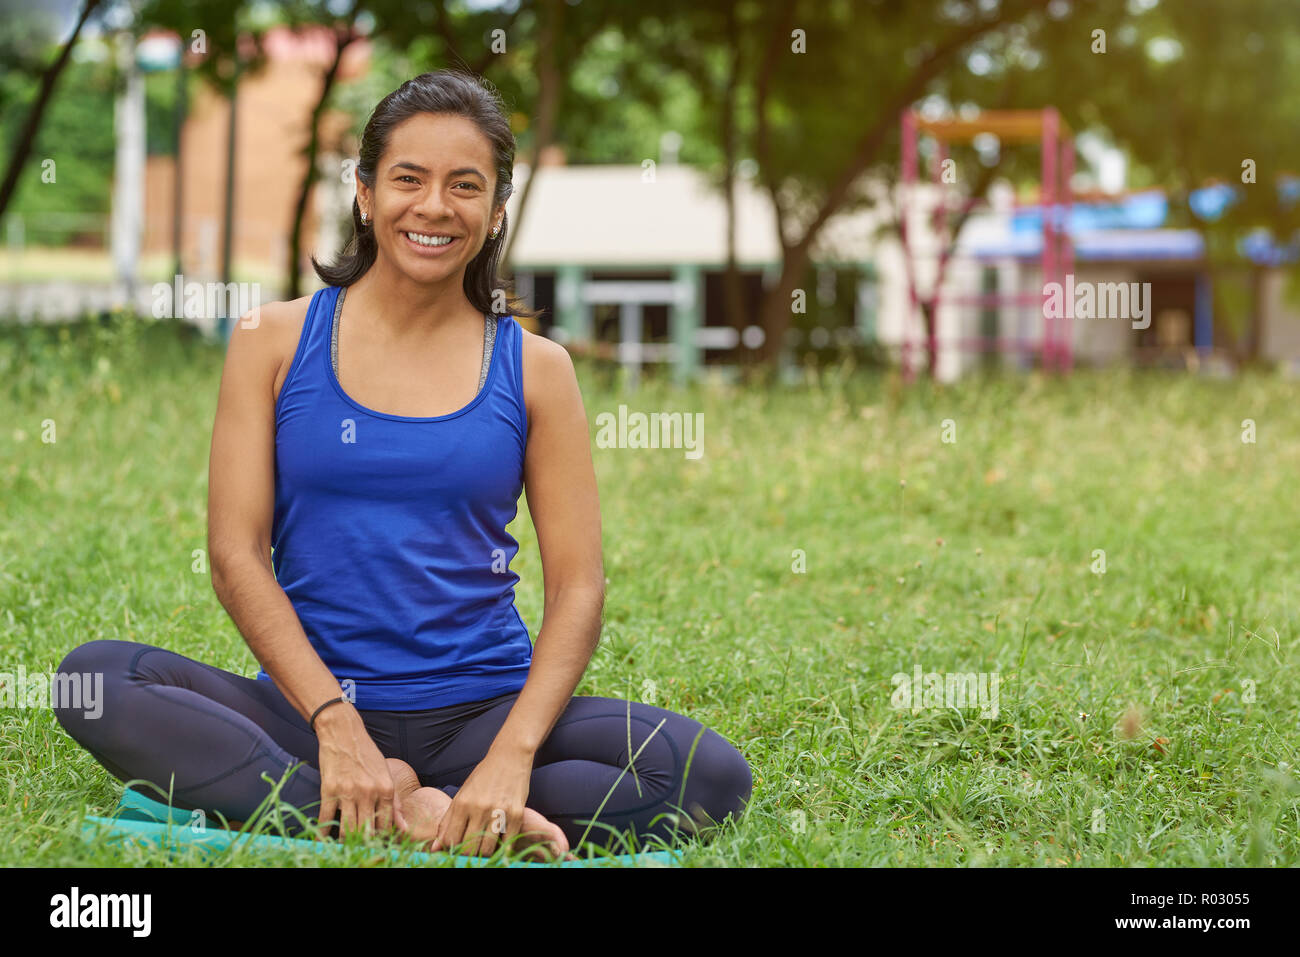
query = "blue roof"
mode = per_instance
[
  {"x": 1101, "y": 245},
  {"x": 1132, "y": 227},
  {"x": 1136, "y": 211},
  {"x": 1128, "y": 227}
]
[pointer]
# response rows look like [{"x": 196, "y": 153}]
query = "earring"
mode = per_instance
[
  {"x": 364, "y": 220},
  {"x": 496, "y": 230}
]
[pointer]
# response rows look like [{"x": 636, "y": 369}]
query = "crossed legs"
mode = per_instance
[{"x": 613, "y": 773}]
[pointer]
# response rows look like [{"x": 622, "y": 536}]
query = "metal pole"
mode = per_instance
[
  {"x": 938, "y": 220},
  {"x": 1067, "y": 244},
  {"x": 178, "y": 193},
  {"x": 227, "y": 238},
  {"x": 1204, "y": 314},
  {"x": 684, "y": 320},
  {"x": 127, "y": 222},
  {"x": 1046, "y": 188},
  {"x": 629, "y": 347},
  {"x": 904, "y": 204}
]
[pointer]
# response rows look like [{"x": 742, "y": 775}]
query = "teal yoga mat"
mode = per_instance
[{"x": 142, "y": 819}]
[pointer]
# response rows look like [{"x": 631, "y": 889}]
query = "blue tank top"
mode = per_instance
[{"x": 389, "y": 531}]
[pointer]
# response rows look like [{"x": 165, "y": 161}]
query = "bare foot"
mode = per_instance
[{"x": 424, "y": 807}]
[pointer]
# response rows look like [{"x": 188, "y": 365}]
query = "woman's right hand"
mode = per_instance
[{"x": 354, "y": 776}]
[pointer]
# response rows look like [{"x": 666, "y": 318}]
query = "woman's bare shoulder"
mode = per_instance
[
  {"x": 265, "y": 339},
  {"x": 548, "y": 370}
]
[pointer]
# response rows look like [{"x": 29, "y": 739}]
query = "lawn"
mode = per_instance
[{"x": 828, "y": 539}]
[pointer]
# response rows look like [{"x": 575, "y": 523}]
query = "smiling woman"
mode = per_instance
[
  {"x": 440, "y": 138},
  {"x": 368, "y": 453}
]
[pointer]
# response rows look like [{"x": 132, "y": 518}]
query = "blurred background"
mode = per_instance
[
  {"x": 845, "y": 234},
  {"x": 704, "y": 188}
]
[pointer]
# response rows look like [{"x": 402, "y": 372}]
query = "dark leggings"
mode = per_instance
[{"x": 218, "y": 733}]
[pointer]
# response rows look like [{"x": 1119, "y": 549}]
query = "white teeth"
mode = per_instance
[{"x": 429, "y": 240}]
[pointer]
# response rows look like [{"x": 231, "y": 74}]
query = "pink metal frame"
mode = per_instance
[{"x": 1056, "y": 258}]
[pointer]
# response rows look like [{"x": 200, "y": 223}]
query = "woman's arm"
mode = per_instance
[
  {"x": 241, "y": 499},
  {"x": 560, "y": 483}
]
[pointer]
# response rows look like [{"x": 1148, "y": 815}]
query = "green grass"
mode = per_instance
[{"x": 1192, "y": 627}]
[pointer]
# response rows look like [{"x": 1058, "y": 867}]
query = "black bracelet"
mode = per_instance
[{"x": 322, "y": 708}]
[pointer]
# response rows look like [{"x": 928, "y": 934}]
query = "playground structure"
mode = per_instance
[{"x": 1054, "y": 348}]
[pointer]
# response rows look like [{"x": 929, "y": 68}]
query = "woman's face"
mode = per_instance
[{"x": 435, "y": 179}]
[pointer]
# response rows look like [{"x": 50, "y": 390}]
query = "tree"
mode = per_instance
[
  {"x": 1190, "y": 90},
  {"x": 805, "y": 195},
  {"x": 344, "y": 31},
  {"x": 1225, "y": 78},
  {"x": 27, "y": 135},
  {"x": 230, "y": 46},
  {"x": 813, "y": 92}
]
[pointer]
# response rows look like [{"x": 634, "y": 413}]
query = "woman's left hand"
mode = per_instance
[{"x": 490, "y": 803}]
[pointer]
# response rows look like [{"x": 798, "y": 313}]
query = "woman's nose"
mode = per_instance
[{"x": 433, "y": 206}]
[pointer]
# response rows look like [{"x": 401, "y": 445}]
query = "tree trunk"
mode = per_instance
[
  {"x": 733, "y": 289},
  {"x": 27, "y": 135},
  {"x": 774, "y": 314},
  {"x": 550, "y": 89},
  {"x": 342, "y": 39}
]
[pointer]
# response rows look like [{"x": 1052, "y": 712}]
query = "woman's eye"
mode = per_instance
[
  {"x": 470, "y": 185},
  {"x": 407, "y": 176}
]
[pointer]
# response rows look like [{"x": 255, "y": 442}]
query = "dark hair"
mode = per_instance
[{"x": 442, "y": 91}]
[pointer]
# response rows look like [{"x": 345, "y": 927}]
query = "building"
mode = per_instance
[
  {"x": 273, "y": 110},
  {"x": 634, "y": 257}
]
